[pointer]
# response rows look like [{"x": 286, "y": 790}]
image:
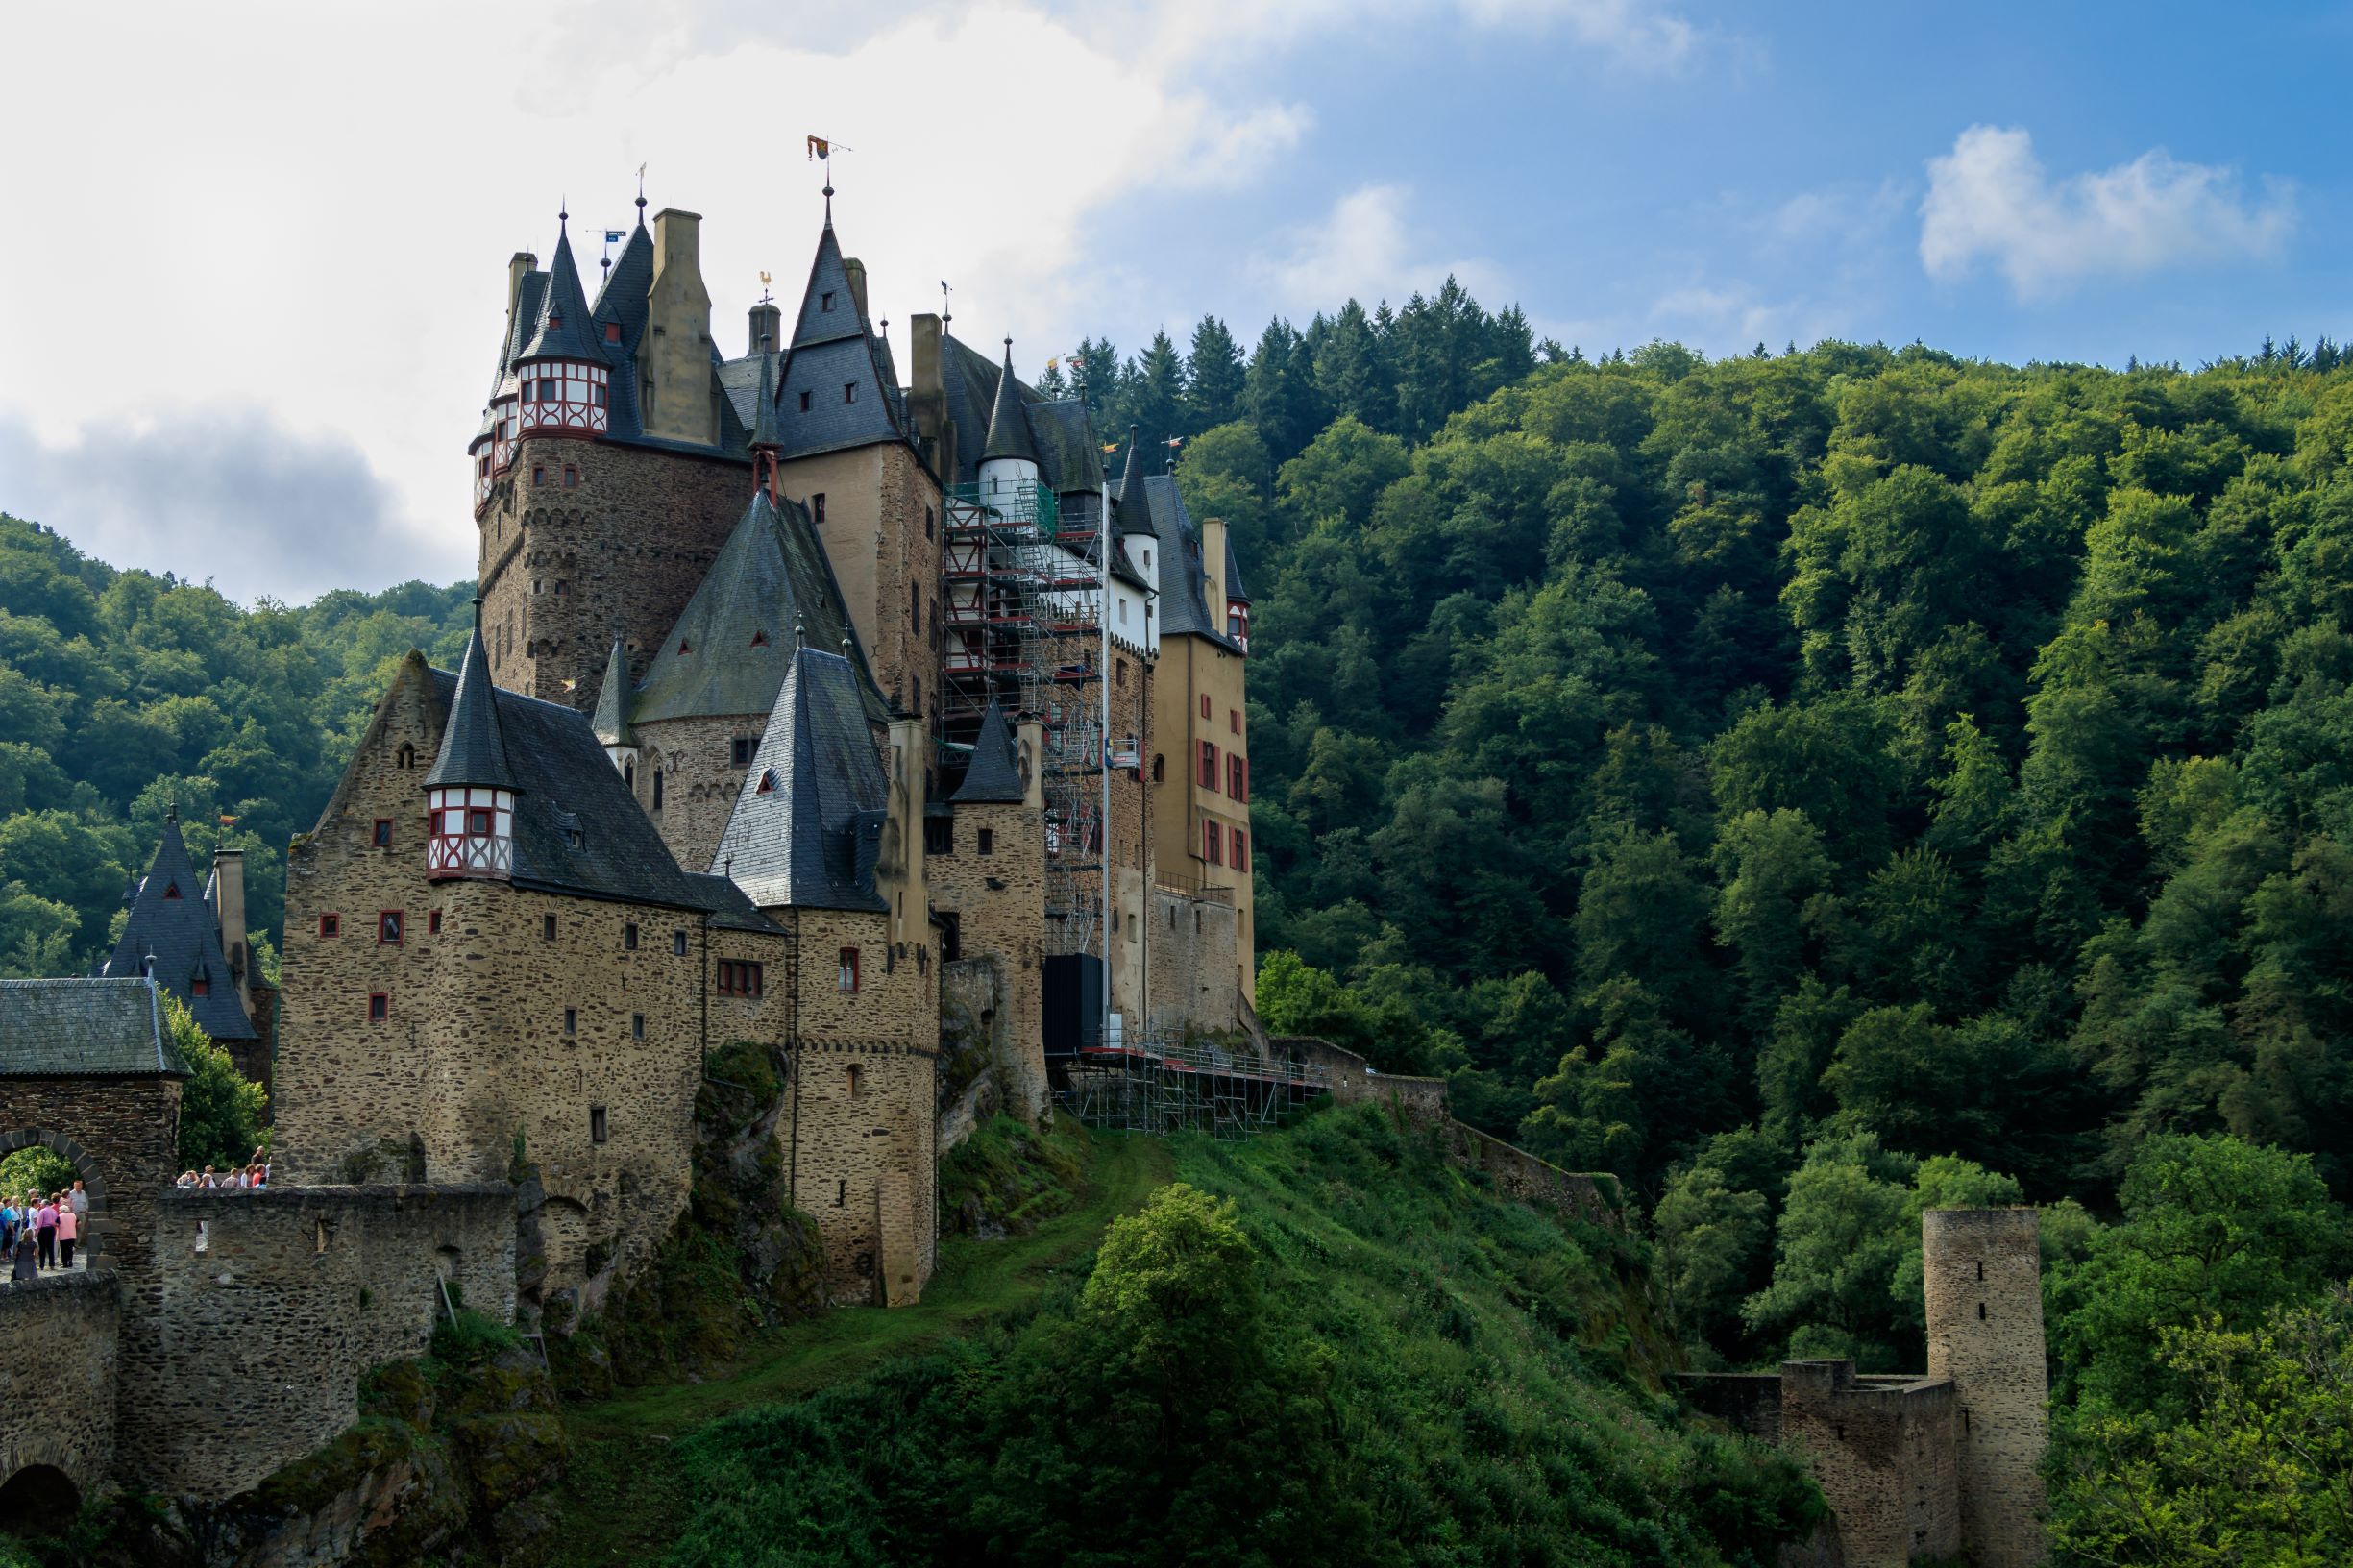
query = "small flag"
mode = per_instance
[
  {"x": 227, "y": 820},
  {"x": 819, "y": 147},
  {"x": 1052, "y": 364},
  {"x": 1176, "y": 440},
  {"x": 1109, "y": 446},
  {"x": 614, "y": 237}
]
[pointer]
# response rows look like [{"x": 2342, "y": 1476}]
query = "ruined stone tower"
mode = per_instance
[{"x": 1985, "y": 1332}]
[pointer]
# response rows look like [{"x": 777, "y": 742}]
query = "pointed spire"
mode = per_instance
[
  {"x": 1009, "y": 434},
  {"x": 473, "y": 741},
  {"x": 994, "y": 776},
  {"x": 562, "y": 329},
  {"x": 612, "y": 717},
  {"x": 1135, "y": 513},
  {"x": 765, "y": 435}
]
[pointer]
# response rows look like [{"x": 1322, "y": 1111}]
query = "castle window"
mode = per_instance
[
  {"x": 927, "y": 523},
  {"x": 846, "y": 976},
  {"x": 852, "y": 1079},
  {"x": 987, "y": 844},
  {"x": 571, "y": 481},
  {"x": 572, "y": 1020},
  {"x": 1237, "y": 776},
  {"x": 1234, "y": 719},
  {"x": 628, "y": 777},
  {"x": 685, "y": 647},
  {"x": 1242, "y": 851},
  {"x": 1118, "y": 667},
  {"x": 939, "y": 835},
  {"x": 677, "y": 945},
  {"x": 816, "y": 502},
  {"x": 628, "y": 936},
  {"x": 612, "y": 331},
  {"x": 657, "y": 789},
  {"x": 759, "y": 638},
  {"x": 477, "y": 823},
  {"x": 201, "y": 986},
  {"x": 1981, "y": 1269},
  {"x": 380, "y": 1007},
  {"x": 171, "y": 890},
  {"x": 824, "y": 300},
  {"x": 1981, "y": 1312},
  {"x": 388, "y": 927},
  {"x": 383, "y": 833},
  {"x": 433, "y": 922},
  {"x": 596, "y": 394},
  {"x": 407, "y": 756},
  {"x": 546, "y": 928},
  {"x": 849, "y": 391},
  {"x": 331, "y": 925},
  {"x": 596, "y": 1124},
  {"x": 1123, "y": 612},
  {"x": 804, "y": 402},
  {"x": 1205, "y": 704},
  {"x": 740, "y": 748},
  {"x": 737, "y": 978},
  {"x": 1160, "y": 768},
  {"x": 556, "y": 320},
  {"x": 768, "y": 782},
  {"x": 1212, "y": 844},
  {"x": 637, "y": 1026},
  {"x": 1205, "y": 774},
  {"x": 841, "y": 1193},
  {"x": 539, "y": 473}
]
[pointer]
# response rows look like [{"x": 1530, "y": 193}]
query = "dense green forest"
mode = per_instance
[{"x": 123, "y": 693}]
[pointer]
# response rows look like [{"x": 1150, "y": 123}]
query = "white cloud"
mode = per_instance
[
  {"x": 1648, "y": 35},
  {"x": 1991, "y": 200},
  {"x": 1363, "y": 249}
]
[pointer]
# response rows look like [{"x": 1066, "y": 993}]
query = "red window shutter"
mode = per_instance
[{"x": 1205, "y": 704}]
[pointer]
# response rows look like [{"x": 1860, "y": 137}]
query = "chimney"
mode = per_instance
[
  {"x": 767, "y": 327},
  {"x": 927, "y": 397},
  {"x": 229, "y": 909},
  {"x": 518, "y": 266},
  {"x": 857, "y": 283},
  {"x": 1214, "y": 563},
  {"x": 674, "y": 359}
]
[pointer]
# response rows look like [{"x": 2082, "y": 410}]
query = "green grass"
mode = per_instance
[{"x": 624, "y": 1499}]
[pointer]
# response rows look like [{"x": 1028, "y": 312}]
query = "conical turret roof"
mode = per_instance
[
  {"x": 1135, "y": 514},
  {"x": 613, "y": 700},
  {"x": 171, "y": 923},
  {"x": 1009, "y": 433},
  {"x": 563, "y": 328},
  {"x": 765, "y": 429},
  {"x": 473, "y": 744},
  {"x": 807, "y": 827},
  {"x": 994, "y": 777}
]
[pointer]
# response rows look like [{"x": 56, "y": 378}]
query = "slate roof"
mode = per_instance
[
  {"x": 527, "y": 294},
  {"x": 807, "y": 828},
  {"x": 564, "y": 329},
  {"x": 728, "y": 653},
  {"x": 172, "y": 921},
  {"x": 994, "y": 776},
  {"x": 764, "y": 429},
  {"x": 1135, "y": 514},
  {"x": 834, "y": 421},
  {"x": 565, "y": 782},
  {"x": 827, "y": 276},
  {"x": 1234, "y": 573},
  {"x": 1069, "y": 453},
  {"x": 110, "y": 1027},
  {"x": 1009, "y": 418},
  {"x": 1183, "y": 583},
  {"x": 472, "y": 740},
  {"x": 1070, "y": 459},
  {"x": 611, "y": 721}
]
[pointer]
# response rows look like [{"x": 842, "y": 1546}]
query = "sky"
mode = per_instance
[{"x": 256, "y": 272}]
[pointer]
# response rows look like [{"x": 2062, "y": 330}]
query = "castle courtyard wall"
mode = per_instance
[
  {"x": 122, "y": 1135},
  {"x": 999, "y": 901},
  {"x": 1189, "y": 947},
  {"x": 58, "y": 1381},
  {"x": 699, "y": 780},
  {"x": 1884, "y": 1458}
]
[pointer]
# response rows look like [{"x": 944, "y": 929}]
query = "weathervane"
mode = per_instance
[{"x": 764, "y": 280}]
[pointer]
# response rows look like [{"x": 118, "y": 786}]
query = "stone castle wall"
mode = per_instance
[
  {"x": 999, "y": 901},
  {"x": 58, "y": 1380},
  {"x": 1985, "y": 1332},
  {"x": 1884, "y": 1458},
  {"x": 123, "y": 1137},
  {"x": 1189, "y": 948},
  {"x": 563, "y": 571},
  {"x": 267, "y": 1307},
  {"x": 699, "y": 780}
]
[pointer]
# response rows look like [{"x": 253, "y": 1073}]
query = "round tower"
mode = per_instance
[
  {"x": 1984, "y": 1281},
  {"x": 469, "y": 793},
  {"x": 1009, "y": 461}
]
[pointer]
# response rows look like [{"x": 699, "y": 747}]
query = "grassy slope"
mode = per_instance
[{"x": 624, "y": 1501}]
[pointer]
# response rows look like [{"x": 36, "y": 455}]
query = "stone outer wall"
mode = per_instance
[
  {"x": 1421, "y": 1101},
  {"x": 1884, "y": 1458},
  {"x": 699, "y": 780},
  {"x": 122, "y": 1135},
  {"x": 1000, "y": 903},
  {"x": 57, "y": 1379},
  {"x": 1190, "y": 945},
  {"x": 262, "y": 1330},
  {"x": 562, "y": 571},
  {"x": 1985, "y": 1332}
]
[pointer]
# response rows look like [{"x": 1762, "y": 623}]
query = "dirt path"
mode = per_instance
[{"x": 623, "y": 1500}]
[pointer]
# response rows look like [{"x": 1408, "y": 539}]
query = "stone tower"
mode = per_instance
[{"x": 1985, "y": 1332}]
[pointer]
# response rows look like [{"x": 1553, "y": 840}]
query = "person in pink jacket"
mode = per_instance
[
  {"x": 70, "y": 1227},
  {"x": 45, "y": 1228}
]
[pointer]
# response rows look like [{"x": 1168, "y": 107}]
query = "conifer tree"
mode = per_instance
[
  {"x": 1352, "y": 370},
  {"x": 1156, "y": 390},
  {"x": 1279, "y": 393},
  {"x": 1212, "y": 376}
]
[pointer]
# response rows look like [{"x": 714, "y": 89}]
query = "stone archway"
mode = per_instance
[
  {"x": 85, "y": 1169},
  {"x": 39, "y": 1499}
]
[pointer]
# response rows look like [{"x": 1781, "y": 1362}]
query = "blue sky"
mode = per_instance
[{"x": 251, "y": 343}]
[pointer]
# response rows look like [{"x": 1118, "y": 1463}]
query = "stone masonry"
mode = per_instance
[
  {"x": 58, "y": 1376},
  {"x": 122, "y": 1135},
  {"x": 1985, "y": 1333},
  {"x": 995, "y": 886}
]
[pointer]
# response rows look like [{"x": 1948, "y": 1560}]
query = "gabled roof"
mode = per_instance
[
  {"x": 172, "y": 922},
  {"x": 628, "y": 293},
  {"x": 578, "y": 829},
  {"x": 728, "y": 653},
  {"x": 613, "y": 700},
  {"x": 994, "y": 777},
  {"x": 1234, "y": 573},
  {"x": 1134, "y": 515},
  {"x": 110, "y": 1027},
  {"x": 472, "y": 740},
  {"x": 849, "y": 402},
  {"x": 564, "y": 329},
  {"x": 828, "y": 307},
  {"x": 1184, "y": 602},
  {"x": 807, "y": 828},
  {"x": 1009, "y": 418}
]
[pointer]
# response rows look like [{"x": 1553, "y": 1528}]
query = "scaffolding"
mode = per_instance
[
  {"x": 1184, "y": 1083},
  {"x": 1023, "y": 596}
]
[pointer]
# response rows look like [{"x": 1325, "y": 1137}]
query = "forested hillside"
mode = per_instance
[{"x": 122, "y": 694}]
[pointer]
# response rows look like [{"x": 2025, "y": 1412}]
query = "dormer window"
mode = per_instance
[
  {"x": 767, "y": 781},
  {"x": 685, "y": 647},
  {"x": 849, "y": 391},
  {"x": 556, "y": 320},
  {"x": 804, "y": 402},
  {"x": 824, "y": 300},
  {"x": 612, "y": 331},
  {"x": 171, "y": 890},
  {"x": 759, "y": 639}
]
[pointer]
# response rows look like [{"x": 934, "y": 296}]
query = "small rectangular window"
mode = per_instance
[
  {"x": 596, "y": 1124},
  {"x": 201, "y": 986},
  {"x": 1206, "y": 774},
  {"x": 804, "y": 402},
  {"x": 816, "y": 507},
  {"x": 1234, "y": 719},
  {"x": 740, "y": 748},
  {"x": 1205, "y": 704},
  {"x": 847, "y": 977},
  {"x": 571, "y": 481},
  {"x": 637, "y": 1026},
  {"x": 628, "y": 936},
  {"x": 986, "y": 841},
  {"x": 433, "y": 922},
  {"x": 331, "y": 925},
  {"x": 1242, "y": 851},
  {"x": 849, "y": 391},
  {"x": 824, "y": 300},
  {"x": 382, "y": 837},
  {"x": 678, "y": 943},
  {"x": 939, "y": 835},
  {"x": 388, "y": 927},
  {"x": 572, "y": 1020},
  {"x": 380, "y": 1007},
  {"x": 546, "y": 928},
  {"x": 539, "y": 473},
  {"x": 1209, "y": 843},
  {"x": 612, "y": 331},
  {"x": 477, "y": 824}
]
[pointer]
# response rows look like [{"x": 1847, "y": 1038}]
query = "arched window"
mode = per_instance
[{"x": 657, "y": 789}]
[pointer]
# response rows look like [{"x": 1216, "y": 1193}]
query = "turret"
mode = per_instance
[
  {"x": 1238, "y": 597},
  {"x": 611, "y": 722},
  {"x": 767, "y": 435},
  {"x": 469, "y": 793},
  {"x": 1983, "y": 1273},
  {"x": 1009, "y": 459},
  {"x": 564, "y": 379}
]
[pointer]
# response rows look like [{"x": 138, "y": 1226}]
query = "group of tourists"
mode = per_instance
[
  {"x": 38, "y": 1232},
  {"x": 254, "y": 1174}
]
